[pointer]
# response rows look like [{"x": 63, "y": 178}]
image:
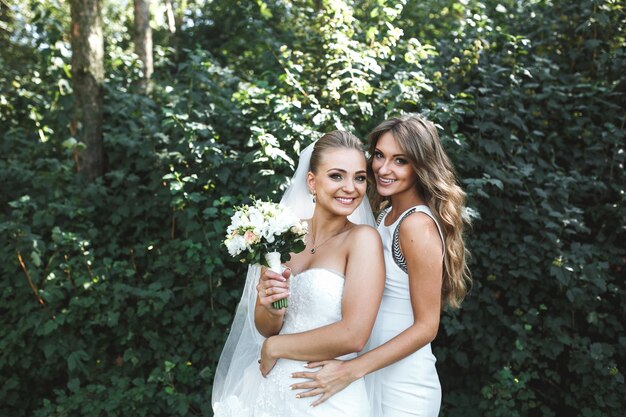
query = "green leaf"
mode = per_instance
[{"x": 76, "y": 359}]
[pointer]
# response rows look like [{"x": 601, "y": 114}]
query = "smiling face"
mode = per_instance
[
  {"x": 339, "y": 182},
  {"x": 392, "y": 170}
]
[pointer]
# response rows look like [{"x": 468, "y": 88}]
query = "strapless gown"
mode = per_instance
[
  {"x": 409, "y": 387},
  {"x": 315, "y": 301}
]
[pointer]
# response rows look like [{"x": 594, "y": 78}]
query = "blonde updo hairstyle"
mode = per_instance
[
  {"x": 336, "y": 139},
  {"x": 436, "y": 183}
]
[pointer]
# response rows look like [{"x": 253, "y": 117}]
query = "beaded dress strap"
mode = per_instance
[{"x": 382, "y": 215}]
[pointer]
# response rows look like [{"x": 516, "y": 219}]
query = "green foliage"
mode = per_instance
[
  {"x": 544, "y": 160},
  {"x": 117, "y": 295}
]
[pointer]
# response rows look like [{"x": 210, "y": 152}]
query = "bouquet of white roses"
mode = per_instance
[{"x": 268, "y": 229}]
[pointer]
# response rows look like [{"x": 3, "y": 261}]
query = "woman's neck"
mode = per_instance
[
  {"x": 402, "y": 202},
  {"x": 322, "y": 226}
]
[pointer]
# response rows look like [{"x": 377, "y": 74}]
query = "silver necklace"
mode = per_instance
[{"x": 315, "y": 247}]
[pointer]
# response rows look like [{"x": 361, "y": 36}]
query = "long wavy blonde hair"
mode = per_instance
[{"x": 436, "y": 183}]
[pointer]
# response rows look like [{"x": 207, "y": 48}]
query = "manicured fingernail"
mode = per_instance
[
  {"x": 297, "y": 395},
  {"x": 306, "y": 365}
]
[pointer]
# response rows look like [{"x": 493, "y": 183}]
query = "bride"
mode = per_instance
[{"x": 334, "y": 291}]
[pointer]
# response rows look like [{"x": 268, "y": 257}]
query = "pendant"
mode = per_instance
[{"x": 312, "y": 251}]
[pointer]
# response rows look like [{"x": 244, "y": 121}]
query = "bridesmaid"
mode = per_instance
[{"x": 422, "y": 234}]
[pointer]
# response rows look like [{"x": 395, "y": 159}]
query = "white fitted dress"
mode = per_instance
[{"x": 409, "y": 387}]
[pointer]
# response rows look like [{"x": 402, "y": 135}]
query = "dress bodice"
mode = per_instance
[
  {"x": 396, "y": 280},
  {"x": 396, "y": 297},
  {"x": 315, "y": 300}
]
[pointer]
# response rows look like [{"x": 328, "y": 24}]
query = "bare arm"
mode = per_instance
[
  {"x": 421, "y": 246},
  {"x": 363, "y": 288}
]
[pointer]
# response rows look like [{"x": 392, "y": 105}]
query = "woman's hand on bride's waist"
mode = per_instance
[{"x": 334, "y": 376}]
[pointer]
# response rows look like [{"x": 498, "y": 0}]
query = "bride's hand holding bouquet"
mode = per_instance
[{"x": 265, "y": 231}]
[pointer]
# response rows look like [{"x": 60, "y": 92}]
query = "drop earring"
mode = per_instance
[{"x": 313, "y": 192}]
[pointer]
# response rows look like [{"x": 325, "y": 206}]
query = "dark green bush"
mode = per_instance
[{"x": 117, "y": 294}]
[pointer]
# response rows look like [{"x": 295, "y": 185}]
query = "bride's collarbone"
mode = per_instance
[
  {"x": 331, "y": 258},
  {"x": 336, "y": 242}
]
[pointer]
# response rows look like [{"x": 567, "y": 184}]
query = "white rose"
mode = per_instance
[
  {"x": 278, "y": 226},
  {"x": 269, "y": 209},
  {"x": 300, "y": 228},
  {"x": 257, "y": 221},
  {"x": 239, "y": 220},
  {"x": 235, "y": 245}
]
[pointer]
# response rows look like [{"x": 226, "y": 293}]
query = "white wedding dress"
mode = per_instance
[{"x": 315, "y": 301}]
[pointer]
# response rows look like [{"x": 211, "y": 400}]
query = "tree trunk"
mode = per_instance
[
  {"x": 143, "y": 42},
  {"x": 169, "y": 11},
  {"x": 87, "y": 79}
]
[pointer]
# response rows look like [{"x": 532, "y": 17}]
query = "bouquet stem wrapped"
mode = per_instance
[{"x": 274, "y": 264}]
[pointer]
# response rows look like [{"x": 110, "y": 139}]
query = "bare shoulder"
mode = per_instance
[
  {"x": 364, "y": 251},
  {"x": 363, "y": 234},
  {"x": 420, "y": 230},
  {"x": 364, "y": 231}
]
